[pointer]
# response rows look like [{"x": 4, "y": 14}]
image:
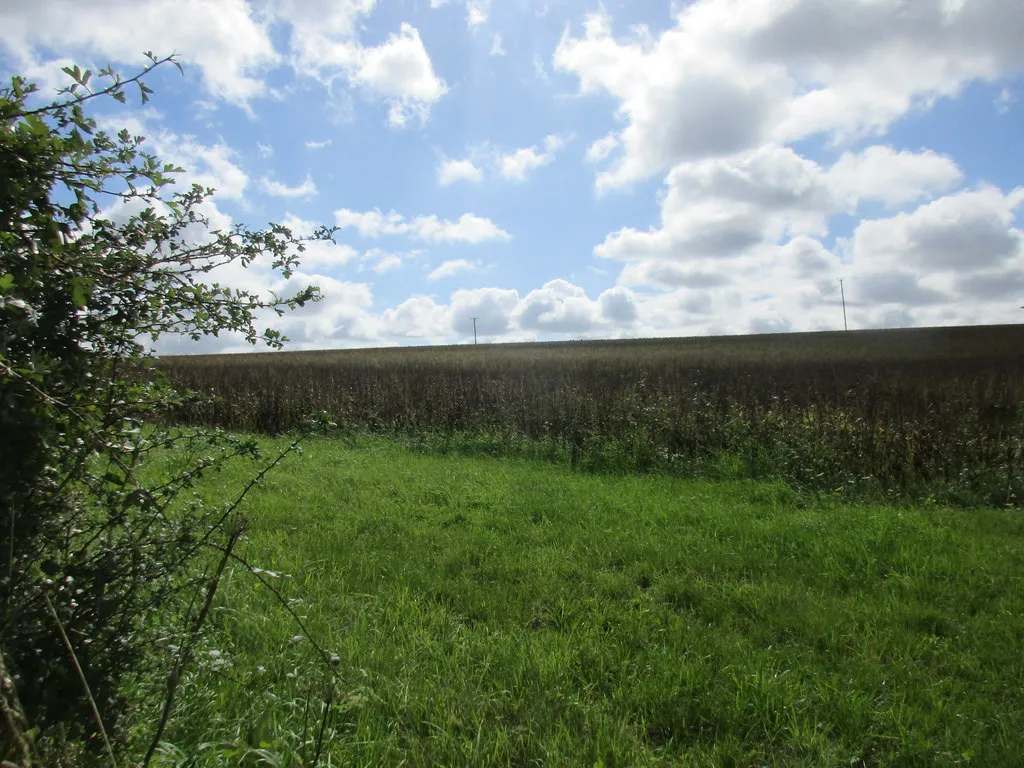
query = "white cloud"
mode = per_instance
[
  {"x": 342, "y": 318},
  {"x": 318, "y": 144},
  {"x": 226, "y": 39},
  {"x": 725, "y": 207},
  {"x": 468, "y": 228},
  {"x": 722, "y": 208},
  {"x": 560, "y": 307},
  {"x": 450, "y": 171},
  {"x": 208, "y": 165},
  {"x": 554, "y": 142},
  {"x": 306, "y": 189},
  {"x": 318, "y": 254},
  {"x": 264, "y": 149},
  {"x": 881, "y": 173},
  {"x": 601, "y": 148},
  {"x": 497, "y": 49},
  {"x": 386, "y": 263},
  {"x": 539, "y": 71},
  {"x": 450, "y": 268},
  {"x": 517, "y": 164},
  {"x": 957, "y": 259},
  {"x": 730, "y": 76},
  {"x": 230, "y": 43},
  {"x": 962, "y": 232},
  {"x": 400, "y": 70},
  {"x": 1004, "y": 101},
  {"x": 325, "y": 45},
  {"x": 476, "y": 12},
  {"x": 418, "y": 317},
  {"x": 492, "y": 308}
]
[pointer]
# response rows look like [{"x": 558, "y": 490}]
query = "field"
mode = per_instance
[
  {"x": 511, "y": 612},
  {"x": 746, "y": 551},
  {"x": 901, "y": 415}
]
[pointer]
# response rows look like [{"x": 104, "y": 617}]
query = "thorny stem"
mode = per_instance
[
  {"x": 81, "y": 679},
  {"x": 185, "y": 655},
  {"x": 14, "y": 719}
]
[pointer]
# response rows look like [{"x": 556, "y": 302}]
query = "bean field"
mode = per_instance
[{"x": 930, "y": 413}]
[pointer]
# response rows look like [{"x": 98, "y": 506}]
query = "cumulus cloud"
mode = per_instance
[
  {"x": 208, "y": 165},
  {"x": 451, "y": 171},
  {"x": 400, "y": 70},
  {"x": 492, "y": 308},
  {"x": 468, "y": 228},
  {"x": 450, "y": 268},
  {"x": 724, "y": 80},
  {"x": 418, "y": 317},
  {"x": 720, "y": 208},
  {"x": 318, "y": 254},
  {"x": 225, "y": 39},
  {"x": 882, "y": 173},
  {"x": 306, "y": 189},
  {"x": 497, "y": 49},
  {"x": 965, "y": 231},
  {"x": 601, "y": 148},
  {"x": 516, "y": 165},
  {"x": 1004, "y": 101},
  {"x": 476, "y": 12},
  {"x": 386, "y": 263},
  {"x": 724, "y": 207}
]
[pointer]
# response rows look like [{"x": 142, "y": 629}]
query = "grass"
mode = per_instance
[{"x": 504, "y": 612}]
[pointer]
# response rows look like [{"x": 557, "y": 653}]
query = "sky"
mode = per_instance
[{"x": 570, "y": 169}]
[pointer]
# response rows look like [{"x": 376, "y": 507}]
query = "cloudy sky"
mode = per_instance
[{"x": 577, "y": 169}]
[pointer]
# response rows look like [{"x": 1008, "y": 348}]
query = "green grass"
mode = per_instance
[{"x": 495, "y": 612}]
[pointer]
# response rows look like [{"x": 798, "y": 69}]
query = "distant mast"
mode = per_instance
[{"x": 842, "y": 293}]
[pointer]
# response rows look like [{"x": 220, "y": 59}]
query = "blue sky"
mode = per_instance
[{"x": 574, "y": 169}]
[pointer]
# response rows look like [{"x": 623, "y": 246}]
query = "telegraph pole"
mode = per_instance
[
  {"x": 842, "y": 293},
  {"x": 474, "y": 330}
]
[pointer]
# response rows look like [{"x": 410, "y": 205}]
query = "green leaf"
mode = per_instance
[
  {"x": 81, "y": 289},
  {"x": 6, "y": 283}
]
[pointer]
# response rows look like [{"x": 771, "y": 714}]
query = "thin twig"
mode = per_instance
[
  {"x": 15, "y": 720},
  {"x": 323, "y": 724},
  {"x": 185, "y": 655},
  {"x": 248, "y": 487},
  {"x": 284, "y": 603},
  {"x": 91, "y": 94},
  {"x": 81, "y": 679}
]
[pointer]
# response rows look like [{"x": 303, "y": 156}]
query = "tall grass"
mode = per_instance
[
  {"x": 513, "y": 613},
  {"x": 909, "y": 414}
]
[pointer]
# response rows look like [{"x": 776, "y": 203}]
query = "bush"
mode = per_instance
[{"x": 88, "y": 550}]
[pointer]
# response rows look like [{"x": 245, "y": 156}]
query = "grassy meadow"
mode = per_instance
[
  {"x": 915, "y": 414},
  {"x": 489, "y": 611}
]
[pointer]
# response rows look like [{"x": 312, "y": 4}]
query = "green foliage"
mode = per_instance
[
  {"x": 80, "y": 297},
  {"x": 503, "y": 612},
  {"x": 911, "y": 414}
]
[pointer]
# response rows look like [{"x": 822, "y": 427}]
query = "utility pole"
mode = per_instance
[
  {"x": 842, "y": 293},
  {"x": 474, "y": 330}
]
